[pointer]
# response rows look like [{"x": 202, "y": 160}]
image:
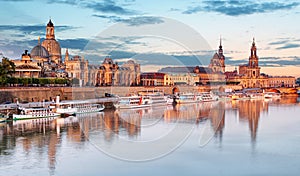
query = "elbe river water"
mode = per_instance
[{"x": 245, "y": 137}]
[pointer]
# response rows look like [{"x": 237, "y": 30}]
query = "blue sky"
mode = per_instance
[{"x": 159, "y": 33}]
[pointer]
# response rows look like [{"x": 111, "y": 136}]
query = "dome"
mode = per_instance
[
  {"x": 39, "y": 52},
  {"x": 52, "y": 47}
]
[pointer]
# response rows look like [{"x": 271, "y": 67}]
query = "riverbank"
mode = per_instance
[{"x": 39, "y": 94}]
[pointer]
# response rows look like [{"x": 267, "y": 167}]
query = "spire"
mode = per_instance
[
  {"x": 253, "y": 43},
  {"x": 67, "y": 55},
  {"x": 220, "y": 53},
  {"x": 39, "y": 41}
]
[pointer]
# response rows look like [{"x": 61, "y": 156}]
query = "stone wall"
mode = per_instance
[{"x": 38, "y": 94}]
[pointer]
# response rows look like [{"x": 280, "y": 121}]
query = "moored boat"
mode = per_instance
[
  {"x": 134, "y": 101},
  {"x": 78, "y": 107},
  {"x": 188, "y": 98},
  {"x": 208, "y": 96},
  {"x": 273, "y": 95},
  {"x": 35, "y": 113}
]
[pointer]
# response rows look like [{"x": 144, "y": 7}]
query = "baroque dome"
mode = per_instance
[
  {"x": 53, "y": 47},
  {"x": 39, "y": 52}
]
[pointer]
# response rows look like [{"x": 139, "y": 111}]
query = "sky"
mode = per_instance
[{"x": 159, "y": 33}]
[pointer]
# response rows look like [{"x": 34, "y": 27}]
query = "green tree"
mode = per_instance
[{"x": 7, "y": 68}]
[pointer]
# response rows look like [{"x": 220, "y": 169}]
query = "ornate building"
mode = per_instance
[
  {"x": 217, "y": 63},
  {"x": 77, "y": 67},
  {"x": 26, "y": 67},
  {"x": 249, "y": 75},
  {"x": 111, "y": 73}
]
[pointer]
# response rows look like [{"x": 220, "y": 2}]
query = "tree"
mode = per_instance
[{"x": 7, "y": 68}]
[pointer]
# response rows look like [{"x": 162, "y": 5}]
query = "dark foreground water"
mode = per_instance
[{"x": 220, "y": 138}]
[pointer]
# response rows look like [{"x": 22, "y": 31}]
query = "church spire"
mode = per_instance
[
  {"x": 220, "y": 48},
  {"x": 220, "y": 42}
]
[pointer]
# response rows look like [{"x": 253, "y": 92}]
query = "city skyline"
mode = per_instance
[{"x": 80, "y": 23}]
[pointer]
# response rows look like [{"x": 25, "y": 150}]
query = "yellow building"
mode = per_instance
[
  {"x": 181, "y": 78},
  {"x": 26, "y": 67},
  {"x": 111, "y": 73},
  {"x": 281, "y": 81},
  {"x": 77, "y": 67}
]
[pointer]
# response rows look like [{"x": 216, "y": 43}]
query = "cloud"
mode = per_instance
[
  {"x": 268, "y": 61},
  {"x": 133, "y": 21},
  {"x": 35, "y": 30},
  {"x": 286, "y": 43},
  {"x": 240, "y": 7},
  {"x": 104, "y": 6},
  {"x": 289, "y": 46},
  {"x": 77, "y": 43}
]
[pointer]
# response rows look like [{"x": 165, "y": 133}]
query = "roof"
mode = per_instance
[
  {"x": 39, "y": 51},
  {"x": 50, "y": 24},
  {"x": 177, "y": 70},
  {"x": 27, "y": 66}
]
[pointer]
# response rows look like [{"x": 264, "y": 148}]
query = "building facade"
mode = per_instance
[
  {"x": 153, "y": 79},
  {"x": 26, "y": 67},
  {"x": 110, "y": 73},
  {"x": 77, "y": 67},
  {"x": 249, "y": 75}
]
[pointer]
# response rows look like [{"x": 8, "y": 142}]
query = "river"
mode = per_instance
[{"x": 246, "y": 137}]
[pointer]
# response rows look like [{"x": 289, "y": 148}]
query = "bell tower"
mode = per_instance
[
  {"x": 50, "y": 30},
  {"x": 221, "y": 56},
  {"x": 253, "y": 68}
]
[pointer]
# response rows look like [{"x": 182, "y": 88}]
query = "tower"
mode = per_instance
[
  {"x": 67, "y": 55},
  {"x": 51, "y": 44},
  {"x": 253, "y": 59},
  {"x": 217, "y": 63},
  {"x": 50, "y": 30},
  {"x": 221, "y": 56},
  {"x": 253, "y": 68}
]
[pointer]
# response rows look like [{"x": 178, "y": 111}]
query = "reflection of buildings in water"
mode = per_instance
[
  {"x": 286, "y": 100},
  {"x": 250, "y": 110},
  {"x": 186, "y": 113},
  {"x": 43, "y": 134},
  {"x": 215, "y": 112}
]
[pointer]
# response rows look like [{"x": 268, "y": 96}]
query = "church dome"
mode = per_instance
[
  {"x": 39, "y": 52},
  {"x": 53, "y": 47}
]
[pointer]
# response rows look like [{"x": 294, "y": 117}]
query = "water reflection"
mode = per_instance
[{"x": 41, "y": 138}]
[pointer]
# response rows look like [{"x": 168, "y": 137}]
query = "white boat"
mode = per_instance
[
  {"x": 157, "y": 98},
  {"x": 273, "y": 95},
  {"x": 134, "y": 101},
  {"x": 208, "y": 96},
  {"x": 34, "y": 113},
  {"x": 188, "y": 98},
  {"x": 78, "y": 107},
  {"x": 255, "y": 96}
]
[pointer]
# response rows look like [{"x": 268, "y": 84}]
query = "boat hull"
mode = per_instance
[{"x": 27, "y": 116}]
